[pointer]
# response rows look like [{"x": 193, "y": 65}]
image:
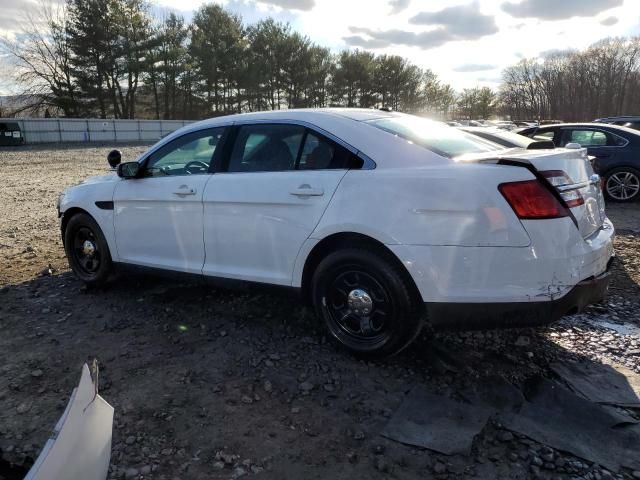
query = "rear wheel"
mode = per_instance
[
  {"x": 366, "y": 301},
  {"x": 87, "y": 250},
  {"x": 622, "y": 184}
]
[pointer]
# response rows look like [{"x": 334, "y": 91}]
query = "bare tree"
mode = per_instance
[
  {"x": 42, "y": 60},
  {"x": 600, "y": 81}
]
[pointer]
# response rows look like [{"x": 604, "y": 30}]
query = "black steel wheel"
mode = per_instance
[
  {"x": 366, "y": 301},
  {"x": 87, "y": 250}
]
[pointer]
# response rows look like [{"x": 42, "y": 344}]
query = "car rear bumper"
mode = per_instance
[
  {"x": 485, "y": 287},
  {"x": 468, "y": 316}
]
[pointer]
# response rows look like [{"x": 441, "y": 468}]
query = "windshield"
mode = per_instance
[{"x": 437, "y": 137}]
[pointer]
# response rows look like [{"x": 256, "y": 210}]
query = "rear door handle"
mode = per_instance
[
  {"x": 184, "y": 190},
  {"x": 306, "y": 190}
]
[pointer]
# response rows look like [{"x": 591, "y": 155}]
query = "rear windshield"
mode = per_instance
[{"x": 437, "y": 137}]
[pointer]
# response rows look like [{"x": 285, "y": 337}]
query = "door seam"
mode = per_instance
[
  {"x": 204, "y": 242},
  {"x": 295, "y": 262}
]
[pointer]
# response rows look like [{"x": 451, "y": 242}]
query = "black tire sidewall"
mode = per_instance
[
  {"x": 407, "y": 318},
  {"x": 76, "y": 222},
  {"x": 618, "y": 170}
]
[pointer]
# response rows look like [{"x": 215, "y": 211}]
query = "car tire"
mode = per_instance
[
  {"x": 367, "y": 302},
  {"x": 87, "y": 250},
  {"x": 622, "y": 184}
]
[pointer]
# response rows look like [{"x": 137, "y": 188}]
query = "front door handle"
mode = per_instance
[
  {"x": 184, "y": 190},
  {"x": 306, "y": 190}
]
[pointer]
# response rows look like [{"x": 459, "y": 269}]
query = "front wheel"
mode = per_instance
[
  {"x": 87, "y": 250},
  {"x": 622, "y": 184},
  {"x": 366, "y": 301}
]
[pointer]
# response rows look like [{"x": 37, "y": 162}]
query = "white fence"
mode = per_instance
[{"x": 46, "y": 130}]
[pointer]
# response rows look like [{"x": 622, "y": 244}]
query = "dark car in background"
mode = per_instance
[
  {"x": 616, "y": 150},
  {"x": 10, "y": 134},
  {"x": 629, "y": 121}
]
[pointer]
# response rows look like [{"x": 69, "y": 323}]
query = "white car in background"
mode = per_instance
[{"x": 384, "y": 221}]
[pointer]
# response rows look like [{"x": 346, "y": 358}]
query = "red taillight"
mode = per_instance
[{"x": 531, "y": 200}]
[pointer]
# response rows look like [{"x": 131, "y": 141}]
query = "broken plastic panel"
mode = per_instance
[{"x": 80, "y": 445}]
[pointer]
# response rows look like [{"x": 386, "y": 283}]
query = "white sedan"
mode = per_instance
[{"x": 384, "y": 221}]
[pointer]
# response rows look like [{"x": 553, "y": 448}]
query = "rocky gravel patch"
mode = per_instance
[{"x": 214, "y": 383}]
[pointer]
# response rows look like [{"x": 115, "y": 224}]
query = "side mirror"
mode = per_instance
[
  {"x": 129, "y": 169},
  {"x": 114, "y": 158},
  {"x": 573, "y": 146}
]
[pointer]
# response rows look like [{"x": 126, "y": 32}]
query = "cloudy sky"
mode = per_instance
[{"x": 466, "y": 42}]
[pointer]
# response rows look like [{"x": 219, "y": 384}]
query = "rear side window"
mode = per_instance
[
  {"x": 586, "y": 138},
  {"x": 266, "y": 148},
  {"x": 437, "y": 137},
  {"x": 592, "y": 138},
  {"x": 320, "y": 153}
]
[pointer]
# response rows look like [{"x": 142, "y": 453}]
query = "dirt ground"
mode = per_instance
[{"x": 211, "y": 383}]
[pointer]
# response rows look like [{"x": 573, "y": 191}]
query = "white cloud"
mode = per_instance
[
  {"x": 398, "y": 6},
  {"x": 609, "y": 21},
  {"x": 558, "y": 10}
]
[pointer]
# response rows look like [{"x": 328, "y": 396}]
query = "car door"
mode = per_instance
[
  {"x": 258, "y": 211},
  {"x": 158, "y": 217}
]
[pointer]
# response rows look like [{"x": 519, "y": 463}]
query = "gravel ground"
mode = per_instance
[{"x": 212, "y": 383}]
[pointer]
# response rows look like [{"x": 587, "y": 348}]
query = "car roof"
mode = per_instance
[
  {"x": 303, "y": 114},
  {"x": 345, "y": 125}
]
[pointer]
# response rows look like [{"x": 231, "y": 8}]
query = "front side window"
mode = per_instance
[
  {"x": 437, "y": 137},
  {"x": 190, "y": 154},
  {"x": 266, "y": 148}
]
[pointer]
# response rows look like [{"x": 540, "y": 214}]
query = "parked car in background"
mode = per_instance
[
  {"x": 549, "y": 122},
  {"x": 525, "y": 123},
  {"x": 381, "y": 219},
  {"x": 503, "y": 125},
  {"x": 629, "y": 121},
  {"x": 10, "y": 134},
  {"x": 616, "y": 150},
  {"x": 505, "y": 138},
  {"x": 471, "y": 123}
]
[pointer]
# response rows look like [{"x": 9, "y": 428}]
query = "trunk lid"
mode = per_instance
[{"x": 569, "y": 171}]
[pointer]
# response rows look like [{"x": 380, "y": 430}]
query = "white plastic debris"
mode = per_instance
[{"x": 80, "y": 445}]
